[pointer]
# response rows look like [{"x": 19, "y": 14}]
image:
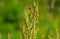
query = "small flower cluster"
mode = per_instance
[{"x": 31, "y": 19}]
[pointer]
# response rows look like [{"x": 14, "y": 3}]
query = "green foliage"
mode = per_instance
[{"x": 12, "y": 18}]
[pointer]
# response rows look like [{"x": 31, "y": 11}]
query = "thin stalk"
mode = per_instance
[
  {"x": 0, "y": 35},
  {"x": 8, "y": 35},
  {"x": 52, "y": 4},
  {"x": 57, "y": 34},
  {"x": 50, "y": 37}
]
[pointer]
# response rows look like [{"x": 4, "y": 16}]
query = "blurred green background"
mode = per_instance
[{"x": 12, "y": 15}]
